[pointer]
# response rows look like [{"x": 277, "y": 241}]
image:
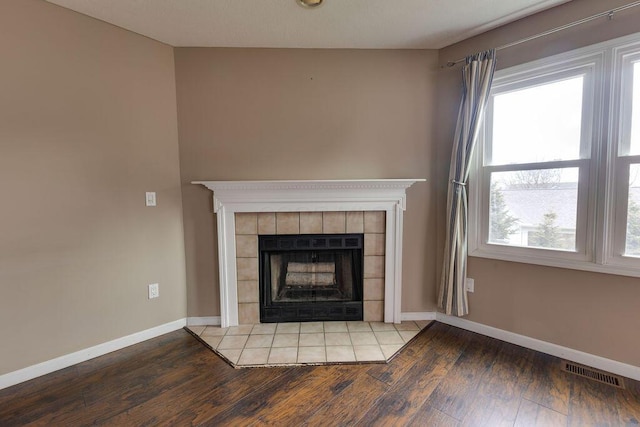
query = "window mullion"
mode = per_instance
[{"x": 560, "y": 164}]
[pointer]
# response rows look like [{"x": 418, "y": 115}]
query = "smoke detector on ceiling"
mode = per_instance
[{"x": 310, "y": 3}]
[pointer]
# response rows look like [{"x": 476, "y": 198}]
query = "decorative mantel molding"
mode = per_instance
[{"x": 229, "y": 197}]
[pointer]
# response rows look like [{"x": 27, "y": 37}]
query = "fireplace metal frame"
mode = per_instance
[{"x": 273, "y": 311}]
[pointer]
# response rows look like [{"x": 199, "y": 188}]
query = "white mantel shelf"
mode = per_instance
[{"x": 229, "y": 197}]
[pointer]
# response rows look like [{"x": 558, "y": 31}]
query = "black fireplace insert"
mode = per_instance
[{"x": 311, "y": 277}]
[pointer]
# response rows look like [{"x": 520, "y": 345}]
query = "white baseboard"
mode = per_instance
[
  {"x": 34, "y": 371},
  {"x": 420, "y": 315},
  {"x": 203, "y": 321},
  {"x": 588, "y": 359}
]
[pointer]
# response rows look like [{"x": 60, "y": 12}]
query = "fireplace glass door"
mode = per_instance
[{"x": 310, "y": 277}]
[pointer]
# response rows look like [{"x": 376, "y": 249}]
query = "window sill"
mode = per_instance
[{"x": 550, "y": 261}]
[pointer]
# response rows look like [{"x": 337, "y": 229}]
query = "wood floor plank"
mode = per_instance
[
  {"x": 455, "y": 395},
  {"x": 404, "y": 400},
  {"x": 138, "y": 384},
  {"x": 292, "y": 401},
  {"x": 204, "y": 398},
  {"x": 628, "y": 403},
  {"x": 586, "y": 395},
  {"x": 446, "y": 376},
  {"x": 549, "y": 386},
  {"x": 531, "y": 414},
  {"x": 392, "y": 372},
  {"x": 346, "y": 408},
  {"x": 427, "y": 415},
  {"x": 497, "y": 397}
]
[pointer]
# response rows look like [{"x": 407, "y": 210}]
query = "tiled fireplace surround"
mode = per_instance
[
  {"x": 250, "y": 225},
  {"x": 245, "y": 209}
]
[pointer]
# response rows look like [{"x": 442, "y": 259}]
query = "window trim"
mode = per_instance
[
  {"x": 598, "y": 247},
  {"x": 624, "y": 56}
]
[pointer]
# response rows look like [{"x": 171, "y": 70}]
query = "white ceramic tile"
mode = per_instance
[
  {"x": 311, "y": 340},
  {"x": 287, "y": 222},
  {"x": 288, "y": 328},
  {"x": 247, "y": 246},
  {"x": 311, "y": 355},
  {"x": 407, "y": 335},
  {"x": 407, "y": 326},
  {"x": 363, "y": 338},
  {"x": 267, "y": 223},
  {"x": 340, "y": 353},
  {"x": 334, "y": 222},
  {"x": 256, "y": 341},
  {"x": 232, "y": 354},
  {"x": 373, "y": 266},
  {"x": 310, "y": 222},
  {"x": 247, "y": 268},
  {"x": 381, "y": 326},
  {"x": 359, "y": 326},
  {"x": 368, "y": 353},
  {"x": 213, "y": 341},
  {"x": 240, "y": 330},
  {"x": 373, "y": 289},
  {"x": 390, "y": 349},
  {"x": 248, "y": 291},
  {"x": 246, "y": 223},
  {"x": 389, "y": 337},
  {"x": 310, "y": 327},
  {"x": 374, "y": 222},
  {"x": 264, "y": 329},
  {"x": 254, "y": 356},
  {"x": 197, "y": 329},
  {"x": 248, "y": 313},
  {"x": 283, "y": 355},
  {"x": 337, "y": 338},
  {"x": 373, "y": 311},
  {"x": 233, "y": 341},
  {"x": 285, "y": 340},
  {"x": 335, "y": 326},
  {"x": 374, "y": 244},
  {"x": 213, "y": 331},
  {"x": 355, "y": 222}
]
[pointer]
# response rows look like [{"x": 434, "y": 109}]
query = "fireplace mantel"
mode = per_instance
[{"x": 229, "y": 197}]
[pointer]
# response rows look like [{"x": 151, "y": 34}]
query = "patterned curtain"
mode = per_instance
[{"x": 477, "y": 76}]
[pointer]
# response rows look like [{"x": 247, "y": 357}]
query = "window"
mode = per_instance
[{"x": 556, "y": 179}]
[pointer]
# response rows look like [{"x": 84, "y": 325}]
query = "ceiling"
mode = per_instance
[{"x": 362, "y": 24}]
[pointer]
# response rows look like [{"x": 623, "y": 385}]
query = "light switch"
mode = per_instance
[{"x": 151, "y": 198}]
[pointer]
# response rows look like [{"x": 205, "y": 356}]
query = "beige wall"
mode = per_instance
[
  {"x": 87, "y": 125},
  {"x": 252, "y": 114},
  {"x": 595, "y": 313}
]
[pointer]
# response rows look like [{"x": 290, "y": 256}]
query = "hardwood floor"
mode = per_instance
[{"x": 445, "y": 377}]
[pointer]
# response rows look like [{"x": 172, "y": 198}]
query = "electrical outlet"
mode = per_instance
[
  {"x": 469, "y": 284},
  {"x": 154, "y": 290}
]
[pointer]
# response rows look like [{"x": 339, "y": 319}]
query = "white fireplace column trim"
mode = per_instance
[{"x": 229, "y": 197}]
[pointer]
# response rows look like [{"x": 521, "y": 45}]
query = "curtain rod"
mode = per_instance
[{"x": 609, "y": 14}]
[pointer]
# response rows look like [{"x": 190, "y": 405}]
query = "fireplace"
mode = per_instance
[
  {"x": 382, "y": 274},
  {"x": 311, "y": 277}
]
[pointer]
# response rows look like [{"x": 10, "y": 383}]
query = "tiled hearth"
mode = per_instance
[{"x": 310, "y": 343}]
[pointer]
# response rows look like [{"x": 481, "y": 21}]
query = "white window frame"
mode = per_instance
[
  {"x": 624, "y": 58},
  {"x": 602, "y": 189}
]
